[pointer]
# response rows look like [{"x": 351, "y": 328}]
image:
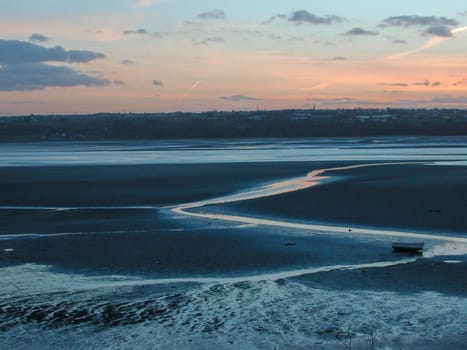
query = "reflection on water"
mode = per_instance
[{"x": 225, "y": 151}]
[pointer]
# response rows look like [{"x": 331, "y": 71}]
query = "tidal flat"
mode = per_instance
[{"x": 100, "y": 254}]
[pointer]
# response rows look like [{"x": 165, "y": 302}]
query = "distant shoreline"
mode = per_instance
[{"x": 235, "y": 124}]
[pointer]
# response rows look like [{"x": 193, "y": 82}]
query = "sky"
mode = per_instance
[{"x": 87, "y": 56}]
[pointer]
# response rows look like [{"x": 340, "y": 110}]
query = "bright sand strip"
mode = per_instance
[{"x": 312, "y": 179}]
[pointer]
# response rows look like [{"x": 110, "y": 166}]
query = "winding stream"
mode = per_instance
[{"x": 453, "y": 245}]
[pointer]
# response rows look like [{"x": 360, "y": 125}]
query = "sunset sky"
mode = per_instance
[{"x": 185, "y": 55}]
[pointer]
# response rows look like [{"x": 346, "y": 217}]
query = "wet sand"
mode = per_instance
[
  {"x": 151, "y": 241},
  {"x": 166, "y": 247},
  {"x": 89, "y": 277},
  {"x": 134, "y": 185},
  {"x": 415, "y": 197},
  {"x": 439, "y": 275},
  {"x": 134, "y": 234}
]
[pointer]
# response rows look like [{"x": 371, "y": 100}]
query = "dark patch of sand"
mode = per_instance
[
  {"x": 434, "y": 275},
  {"x": 180, "y": 248},
  {"x": 50, "y": 221},
  {"x": 124, "y": 185}
]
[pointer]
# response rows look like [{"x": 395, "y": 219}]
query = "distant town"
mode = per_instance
[{"x": 217, "y": 124}]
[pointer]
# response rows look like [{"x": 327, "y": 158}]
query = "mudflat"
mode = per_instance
[
  {"x": 429, "y": 198},
  {"x": 134, "y": 185}
]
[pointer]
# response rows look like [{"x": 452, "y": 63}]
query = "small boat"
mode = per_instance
[{"x": 414, "y": 247}]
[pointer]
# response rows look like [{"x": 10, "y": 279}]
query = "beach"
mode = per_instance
[{"x": 233, "y": 255}]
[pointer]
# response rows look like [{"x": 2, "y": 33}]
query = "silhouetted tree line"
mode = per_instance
[{"x": 288, "y": 123}]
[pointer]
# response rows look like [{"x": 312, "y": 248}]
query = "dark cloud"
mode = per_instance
[
  {"x": 422, "y": 83},
  {"x": 237, "y": 98},
  {"x": 23, "y": 66},
  {"x": 15, "y": 52},
  {"x": 441, "y": 31},
  {"x": 119, "y": 82},
  {"x": 157, "y": 83},
  {"x": 399, "y": 42},
  {"x": 462, "y": 82},
  {"x": 39, "y": 38},
  {"x": 286, "y": 39},
  {"x": 425, "y": 83},
  {"x": 273, "y": 18},
  {"x": 338, "y": 58},
  {"x": 418, "y": 21},
  {"x": 37, "y": 76},
  {"x": 135, "y": 32},
  {"x": 81, "y": 56},
  {"x": 356, "y": 31},
  {"x": 303, "y": 16},
  {"x": 214, "y": 14},
  {"x": 209, "y": 40},
  {"x": 396, "y": 84},
  {"x": 127, "y": 62}
]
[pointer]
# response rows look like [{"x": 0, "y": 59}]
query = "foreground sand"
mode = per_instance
[{"x": 100, "y": 277}]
